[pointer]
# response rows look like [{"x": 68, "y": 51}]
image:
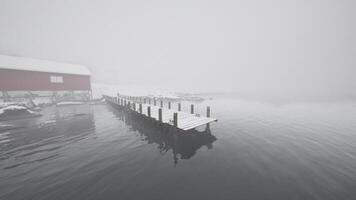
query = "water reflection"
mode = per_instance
[
  {"x": 184, "y": 144},
  {"x": 35, "y": 140}
]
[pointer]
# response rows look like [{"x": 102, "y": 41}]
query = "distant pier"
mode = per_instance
[{"x": 151, "y": 108}]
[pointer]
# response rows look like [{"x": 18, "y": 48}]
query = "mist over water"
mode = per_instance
[{"x": 257, "y": 150}]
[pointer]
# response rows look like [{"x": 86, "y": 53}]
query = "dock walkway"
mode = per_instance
[{"x": 181, "y": 120}]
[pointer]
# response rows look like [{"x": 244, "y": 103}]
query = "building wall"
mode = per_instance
[{"x": 16, "y": 80}]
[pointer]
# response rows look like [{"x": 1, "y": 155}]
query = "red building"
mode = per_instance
[{"x": 27, "y": 74}]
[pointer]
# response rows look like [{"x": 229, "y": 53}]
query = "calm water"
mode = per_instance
[{"x": 256, "y": 151}]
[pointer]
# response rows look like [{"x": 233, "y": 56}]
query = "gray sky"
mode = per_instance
[{"x": 193, "y": 45}]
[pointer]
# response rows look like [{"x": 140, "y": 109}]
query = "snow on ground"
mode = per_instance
[
  {"x": 132, "y": 90},
  {"x": 14, "y": 108},
  {"x": 42, "y": 101},
  {"x": 8, "y": 103},
  {"x": 69, "y": 103},
  {"x": 23, "y": 102}
]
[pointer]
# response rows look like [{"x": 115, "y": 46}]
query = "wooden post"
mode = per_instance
[
  {"x": 149, "y": 111},
  {"x": 179, "y": 107},
  {"x": 160, "y": 114},
  {"x": 140, "y": 108},
  {"x": 154, "y": 101},
  {"x": 129, "y": 105},
  {"x": 144, "y": 100},
  {"x": 161, "y": 104},
  {"x": 191, "y": 109},
  {"x": 169, "y": 105},
  {"x": 175, "y": 119},
  {"x": 208, "y": 115},
  {"x": 134, "y": 106}
]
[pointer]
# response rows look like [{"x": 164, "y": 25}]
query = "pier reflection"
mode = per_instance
[{"x": 184, "y": 144}]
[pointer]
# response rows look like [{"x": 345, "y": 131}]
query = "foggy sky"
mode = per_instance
[{"x": 193, "y": 45}]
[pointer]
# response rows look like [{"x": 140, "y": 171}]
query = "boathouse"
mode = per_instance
[{"x": 19, "y": 74}]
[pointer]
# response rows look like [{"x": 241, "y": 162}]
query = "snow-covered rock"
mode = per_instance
[
  {"x": 15, "y": 112},
  {"x": 14, "y": 108}
]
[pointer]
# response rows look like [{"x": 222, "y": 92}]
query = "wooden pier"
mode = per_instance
[{"x": 155, "y": 110}]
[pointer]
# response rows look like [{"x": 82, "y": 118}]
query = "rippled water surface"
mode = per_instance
[{"x": 257, "y": 150}]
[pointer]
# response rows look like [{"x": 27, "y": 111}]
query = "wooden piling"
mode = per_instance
[
  {"x": 169, "y": 105},
  {"x": 160, "y": 115},
  {"x": 149, "y": 111},
  {"x": 179, "y": 107},
  {"x": 192, "y": 109},
  {"x": 175, "y": 119},
  {"x": 140, "y": 108},
  {"x": 134, "y": 106},
  {"x": 161, "y": 104},
  {"x": 208, "y": 111},
  {"x": 154, "y": 101}
]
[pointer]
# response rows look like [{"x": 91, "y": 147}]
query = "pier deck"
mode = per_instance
[{"x": 184, "y": 121}]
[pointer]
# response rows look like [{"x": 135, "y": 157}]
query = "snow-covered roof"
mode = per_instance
[{"x": 30, "y": 64}]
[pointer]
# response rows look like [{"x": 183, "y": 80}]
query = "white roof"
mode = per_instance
[{"x": 30, "y": 64}]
